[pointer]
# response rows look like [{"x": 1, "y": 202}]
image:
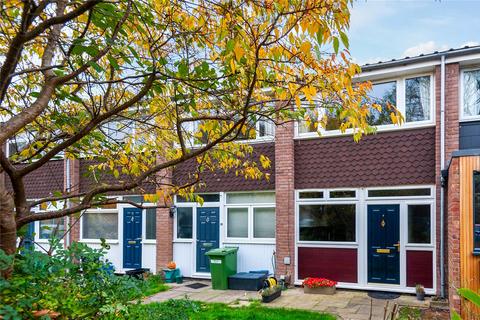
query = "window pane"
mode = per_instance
[
  {"x": 264, "y": 222},
  {"x": 184, "y": 222},
  {"x": 151, "y": 223},
  {"x": 400, "y": 192},
  {"x": 259, "y": 197},
  {"x": 98, "y": 225},
  {"x": 384, "y": 94},
  {"x": 311, "y": 114},
  {"x": 471, "y": 93},
  {"x": 342, "y": 194},
  {"x": 51, "y": 228},
  {"x": 237, "y": 223},
  {"x": 327, "y": 223},
  {"x": 266, "y": 128},
  {"x": 206, "y": 198},
  {"x": 417, "y": 99},
  {"x": 476, "y": 211},
  {"x": 419, "y": 223},
  {"x": 310, "y": 195}
]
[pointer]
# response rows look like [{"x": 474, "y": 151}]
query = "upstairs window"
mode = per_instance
[
  {"x": 417, "y": 99},
  {"x": 411, "y": 96},
  {"x": 471, "y": 94},
  {"x": 384, "y": 94}
]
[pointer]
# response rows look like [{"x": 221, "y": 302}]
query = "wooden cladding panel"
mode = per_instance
[{"x": 469, "y": 263}]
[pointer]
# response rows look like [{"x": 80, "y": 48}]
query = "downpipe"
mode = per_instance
[{"x": 442, "y": 167}]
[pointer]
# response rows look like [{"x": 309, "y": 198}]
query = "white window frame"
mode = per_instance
[
  {"x": 432, "y": 192},
  {"x": 191, "y": 205},
  {"x": 464, "y": 117},
  {"x": 401, "y": 106},
  {"x": 327, "y": 244},
  {"x": 109, "y": 241},
  {"x": 250, "y": 209},
  {"x": 409, "y": 244}
]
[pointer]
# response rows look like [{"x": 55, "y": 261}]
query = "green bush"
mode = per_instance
[{"x": 74, "y": 282}]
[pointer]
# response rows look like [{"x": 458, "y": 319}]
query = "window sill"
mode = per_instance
[
  {"x": 182, "y": 240},
  {"x": 97, "y": 241},
  {"x": 149, "y": 242},
  {"x": 249, "y": 241},
  {"x": 349, "y": 132}
]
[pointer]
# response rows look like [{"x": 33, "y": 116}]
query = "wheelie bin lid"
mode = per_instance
[{"x": 222, "y": 251}]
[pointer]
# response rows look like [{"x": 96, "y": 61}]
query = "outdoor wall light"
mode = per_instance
[{"x": 173, "y": 209}]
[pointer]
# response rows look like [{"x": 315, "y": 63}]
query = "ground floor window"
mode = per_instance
[
  {"x": 419, "y": 229},
  {"x": 52, "y": 228},
  {"x": 250, "y": 216},
  {"x": 151, "y": 223},
  {"x": 184, "y": 222},
  {"x": 327, "y": 222},
  {"x": 96, "y": 225}
]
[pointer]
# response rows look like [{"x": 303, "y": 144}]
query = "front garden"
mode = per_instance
[{"x": 186, "y": 309}]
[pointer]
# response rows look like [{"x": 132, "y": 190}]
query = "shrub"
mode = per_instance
[{"x": 74, "y": 282}]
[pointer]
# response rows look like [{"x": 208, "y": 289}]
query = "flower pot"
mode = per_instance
[
  {"x": 320, "y": 290},
  {"x": 420, "y": 296},
  {"x": 273, "y": 296}
]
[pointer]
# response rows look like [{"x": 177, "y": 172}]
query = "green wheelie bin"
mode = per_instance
[{"x": 223, "y": 263}]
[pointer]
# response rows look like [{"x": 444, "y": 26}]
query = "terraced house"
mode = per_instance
[{"x": 399, "y": 208}]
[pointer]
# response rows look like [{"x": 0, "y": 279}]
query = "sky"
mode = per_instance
[{"x": 382, "y": 30}]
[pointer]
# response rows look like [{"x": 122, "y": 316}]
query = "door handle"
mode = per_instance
[{"x": 397, "y": 245}]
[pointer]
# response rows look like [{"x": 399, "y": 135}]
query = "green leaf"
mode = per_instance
[
  {"x": 336, "y": 44},
  {"x": 455, "y": 316},
  {"x": 96, "y": 66},
  {"x": 344, "y": 38},
  {"x": 113, "y": 62},
  {"x": 470, "y": 295},
  {"x": 320, "y": 37}
]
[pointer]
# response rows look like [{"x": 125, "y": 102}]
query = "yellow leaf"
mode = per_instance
[{"x": 239, "y": 52}]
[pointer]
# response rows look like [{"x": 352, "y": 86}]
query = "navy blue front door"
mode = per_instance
[
  {"x": 207, "y": 235},
  {"x": 132, "y": 238},
  {"x": 384, "y": 244}
]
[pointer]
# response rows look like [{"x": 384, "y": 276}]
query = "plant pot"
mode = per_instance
[
  {"x": 420, "y": 296},
  {"x": 320, "y": 290},
  {"x": 273, "y": 296}
]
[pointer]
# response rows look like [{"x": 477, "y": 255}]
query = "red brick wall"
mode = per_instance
[
  {"x": 164, "y": 227},
  {"x": 453, "y": 233},
  {"x": 285, "y": 199},
  {"x": 452, "y": 72},
  {"x": 75, "y": 187}
]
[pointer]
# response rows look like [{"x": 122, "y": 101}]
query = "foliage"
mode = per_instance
[
  {"x": 318, "y": 282},
  {"x": 185, "y": 309},
  {"x": 468, "y": 295},
  {"x": 409, "y": 313},
  {"x": 74, "y": 282},
  {"x": 141, "y": 86},
  {"x": 152, "y": 284}
]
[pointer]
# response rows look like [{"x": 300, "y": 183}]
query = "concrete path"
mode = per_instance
[{"x": 346, "y": 304}]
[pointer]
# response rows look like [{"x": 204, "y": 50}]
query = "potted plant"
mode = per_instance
[
  {"x": 319, "y": 286},
  {"x": 420, "y": 290},
  {"x": 271, "y": 293}
]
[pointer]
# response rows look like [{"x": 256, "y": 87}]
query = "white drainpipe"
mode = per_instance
[
  {"x": 67, "y": 183},
  {"x": 442, "y": 167}
]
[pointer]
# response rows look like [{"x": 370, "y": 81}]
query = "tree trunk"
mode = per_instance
[{"x": 8, "y": 229}]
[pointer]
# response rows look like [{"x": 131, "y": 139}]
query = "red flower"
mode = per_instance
[{"x": 318, "y": 282}]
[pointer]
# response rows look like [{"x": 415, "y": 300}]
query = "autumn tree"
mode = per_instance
[{"x": 189, "y": 76}]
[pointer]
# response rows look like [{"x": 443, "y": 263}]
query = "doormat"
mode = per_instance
[
  {"x": 383, "y": 295},
  {"x": 196, "y": 285}
]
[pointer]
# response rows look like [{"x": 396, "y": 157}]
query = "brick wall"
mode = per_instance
[
  {"x": 452, "y": 72},
  {"x": 164, "y": 227},
  {"x": 285, "y": 200},
  {"x": 453, "y": 233},
  {"x": 75, "y": 187}
]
